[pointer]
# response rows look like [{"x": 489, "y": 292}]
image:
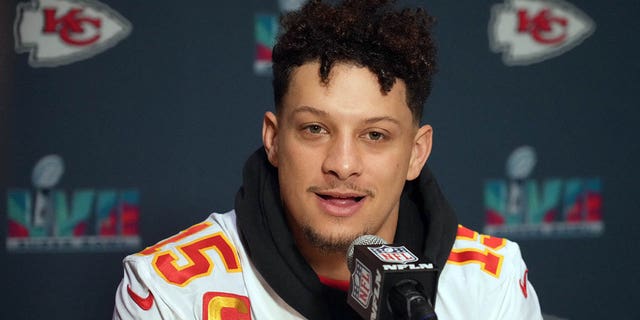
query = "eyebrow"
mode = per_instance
[
  {"x": 318, "y": 112},
  {"x": 384, "y": 118},
  {"x": 309, "y": 109}
]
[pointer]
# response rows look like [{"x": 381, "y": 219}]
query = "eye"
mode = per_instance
[
  {"x": 375, "y": 135},
  {"x": 315, "y": 129}
]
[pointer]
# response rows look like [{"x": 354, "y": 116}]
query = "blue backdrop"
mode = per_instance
[{"x": 152, "y": 111}]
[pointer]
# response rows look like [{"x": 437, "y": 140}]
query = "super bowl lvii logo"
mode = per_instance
[
  {"x": 522, "y": 207},
  {"x": 44, "y": 218},
  {"x": 266, "y": 28}
]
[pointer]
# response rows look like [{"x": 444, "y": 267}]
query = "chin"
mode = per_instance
[{"x": 331, "y": 240}]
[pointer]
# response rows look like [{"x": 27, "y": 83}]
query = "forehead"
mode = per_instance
[{"x": 349, "y": 89}]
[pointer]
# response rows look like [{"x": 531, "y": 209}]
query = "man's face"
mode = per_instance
[{"x": 343, "y": 151}]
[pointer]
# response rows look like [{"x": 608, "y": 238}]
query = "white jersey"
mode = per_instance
[
  {"x": 485, "y": 278},
  {"x": 204, "y": 273}
]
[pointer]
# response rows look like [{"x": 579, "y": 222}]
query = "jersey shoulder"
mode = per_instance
[
  {"x": 207, "y": 228},
  {"x": 485, "y": 278},
  {"x": 198, "y": 250},
  {"x": 202, "y": 257},
  {"x": 195, "y": 264},
  {"x": 496, "y": 258}
]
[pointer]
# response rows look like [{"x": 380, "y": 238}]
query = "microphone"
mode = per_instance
[{"x": 389, "y": 282}]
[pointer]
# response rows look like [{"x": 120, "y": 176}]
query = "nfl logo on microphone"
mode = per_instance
[
  {"x": 361, "y": 284},
  {"x": 391, "y": 254}
]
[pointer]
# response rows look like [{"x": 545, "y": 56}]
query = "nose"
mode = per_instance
[{"x": 343, "y": 159}]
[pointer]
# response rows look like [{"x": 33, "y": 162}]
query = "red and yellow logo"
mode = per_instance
[{"x": 225, "y": 306}]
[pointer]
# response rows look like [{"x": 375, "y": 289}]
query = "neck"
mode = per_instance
[{"x": 332, "y": 266}]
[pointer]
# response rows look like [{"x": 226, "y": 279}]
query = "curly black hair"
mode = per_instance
[{"x": 391, "y": 43}]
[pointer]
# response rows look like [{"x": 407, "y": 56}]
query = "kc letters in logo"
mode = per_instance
[
  {"x": 59, "y": 32},
  {"x": 531, "y": 31}
]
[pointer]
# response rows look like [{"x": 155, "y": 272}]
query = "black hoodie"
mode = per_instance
[{"x": 426, "y": 224}]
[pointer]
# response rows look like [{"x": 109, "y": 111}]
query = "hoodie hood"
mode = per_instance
[{"x": 426, "y": 224}]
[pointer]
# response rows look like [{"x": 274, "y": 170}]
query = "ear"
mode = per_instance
[
  {"x": 421, "y": 150},
  {"x": 269, "y": 137}
]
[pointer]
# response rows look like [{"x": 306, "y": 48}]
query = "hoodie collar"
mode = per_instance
[{"x": 426, "y": 224}]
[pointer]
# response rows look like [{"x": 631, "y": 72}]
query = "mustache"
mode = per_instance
[{"x": 350, "y": 186}]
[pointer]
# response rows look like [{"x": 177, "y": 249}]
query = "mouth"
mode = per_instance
[
  {"x": 340, "y": 198},
  {"x": 340, "y": 204}
]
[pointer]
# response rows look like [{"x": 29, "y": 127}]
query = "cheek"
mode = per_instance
[
  {"x": 297, "y": 169},
  {"x": 299, "y": 158},
  {"x": 295, "y": 162},
  {"x": 388, "y": 180},
  {"x": 394, "y": 176},
  {"x": 390, "y": 168}
]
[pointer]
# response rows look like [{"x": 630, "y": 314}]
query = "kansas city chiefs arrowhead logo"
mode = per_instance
[
  {"x": 59, "y": 32},
  {"x": 531, "y": 31}
]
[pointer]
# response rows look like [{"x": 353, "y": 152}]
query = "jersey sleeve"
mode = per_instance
[
  {"x": 514, "y": 297},
  {"x": 194, "y": 274},
  {"x": 486, "y": 278},
  {"x": 135, "y": 299}
]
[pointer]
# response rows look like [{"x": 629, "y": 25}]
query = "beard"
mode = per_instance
[{"x": 332, "y": 243}]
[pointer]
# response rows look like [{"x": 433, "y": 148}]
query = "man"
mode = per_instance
[{"x": 344, "y": 155}]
